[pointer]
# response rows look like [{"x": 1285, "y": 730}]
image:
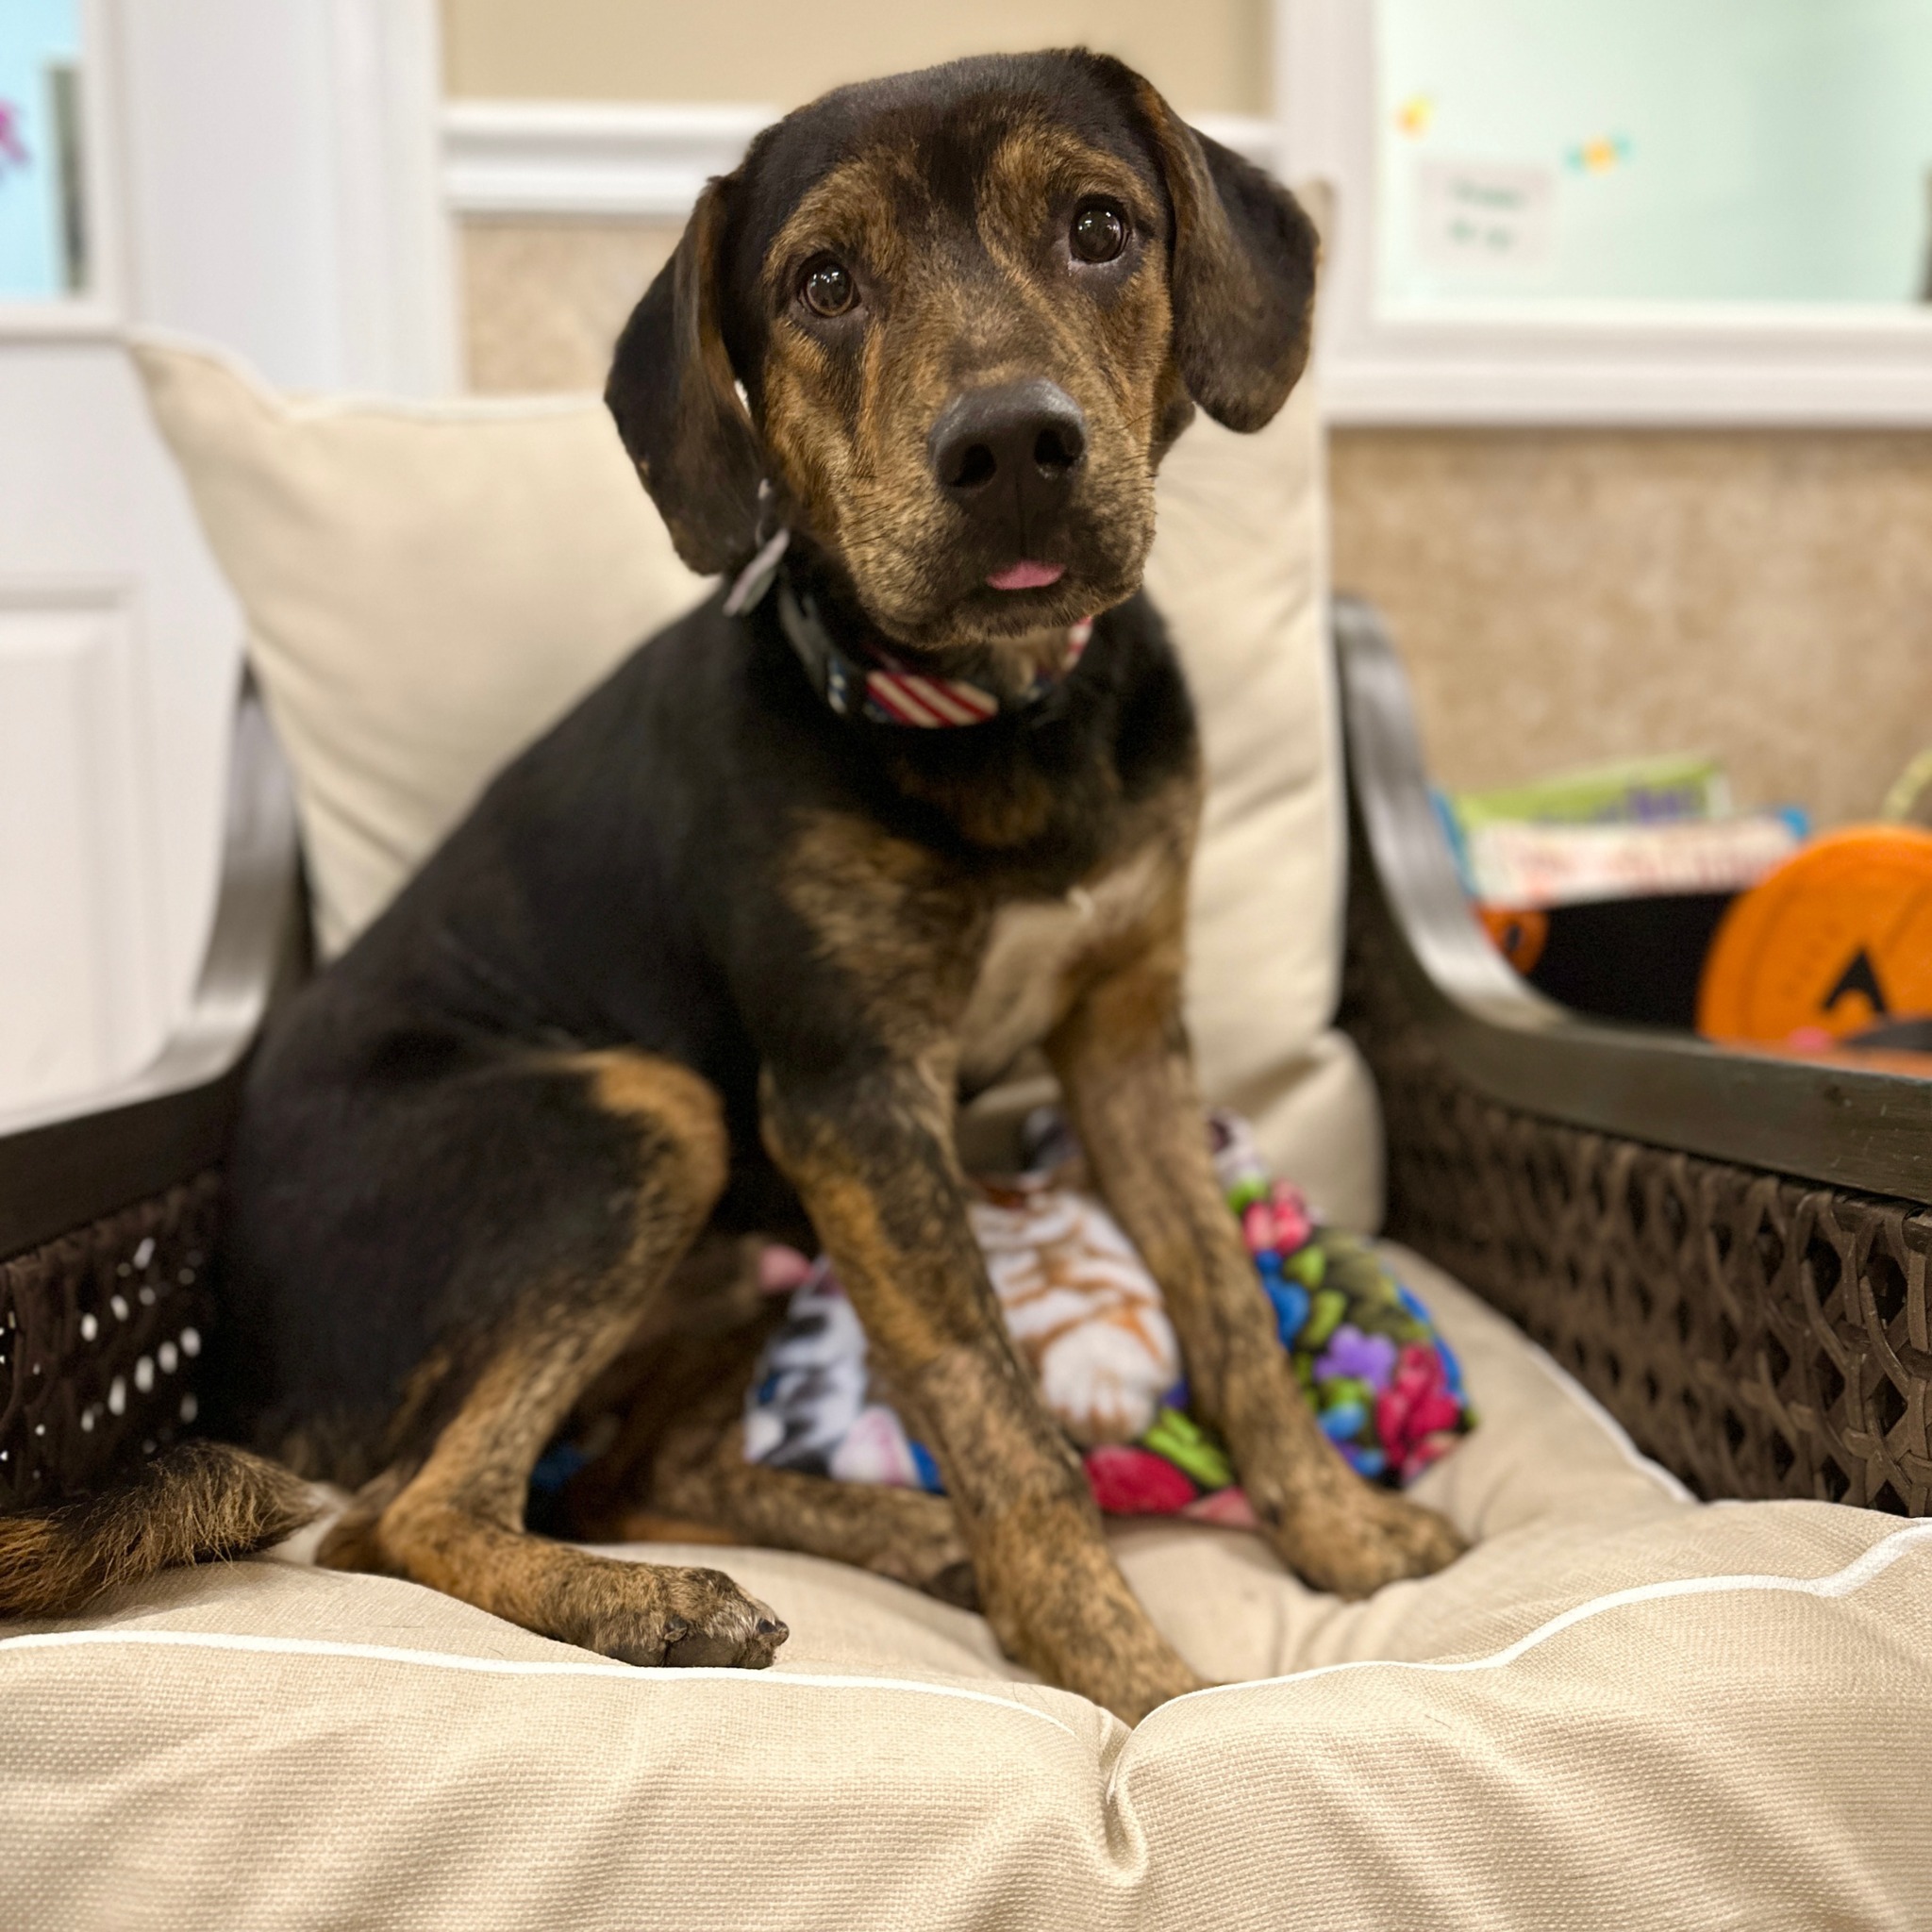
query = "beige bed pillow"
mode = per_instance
[{"x": 428, "y": 586}]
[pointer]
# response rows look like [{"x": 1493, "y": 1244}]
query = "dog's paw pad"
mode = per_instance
[
  {"x": 1372, "y": 1539},
  {"x": 690, "y": 1619}
]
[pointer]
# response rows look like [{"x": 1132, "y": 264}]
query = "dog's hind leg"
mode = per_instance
[
  {"x": 701, "y": 1476},
  {"x": 490, "y": 1401}
]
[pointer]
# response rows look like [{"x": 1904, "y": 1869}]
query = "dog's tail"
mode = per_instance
[{"x": 195, "y": 1501}]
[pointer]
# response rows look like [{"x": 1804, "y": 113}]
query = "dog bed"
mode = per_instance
[{"x": 1622, "y": 1707}]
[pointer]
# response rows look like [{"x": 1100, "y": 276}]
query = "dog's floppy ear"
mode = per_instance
[
  {"x": 673, "y": 394},
  {"x": 1243, "y": 273}
]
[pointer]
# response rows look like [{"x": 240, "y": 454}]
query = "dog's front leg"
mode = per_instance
[
  {"x": 1123, "y": 1065},
  {"x": 870, "y": 1154}
]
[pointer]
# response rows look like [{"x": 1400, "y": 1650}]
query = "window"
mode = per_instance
[
  {"x": 1736, "y": 151},
  {"x": 43, "y": 223},
  {"x": 1620, "y": 211}
]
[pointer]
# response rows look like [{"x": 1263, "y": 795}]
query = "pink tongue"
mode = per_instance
[{"x": 1025, "y": 576}]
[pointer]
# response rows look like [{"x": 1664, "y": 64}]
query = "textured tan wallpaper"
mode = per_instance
[
  {"x": 543, "y": 300},
  {"x": 1207, "y": 55},
  {"x": 1559, "y": 596},
  {"x": 1570, "y": 595}
]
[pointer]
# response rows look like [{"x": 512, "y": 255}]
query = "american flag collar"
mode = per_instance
[{"x": 880, "y": 687}]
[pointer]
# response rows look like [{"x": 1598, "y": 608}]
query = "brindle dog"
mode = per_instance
[{"x": 712, "y": 952}]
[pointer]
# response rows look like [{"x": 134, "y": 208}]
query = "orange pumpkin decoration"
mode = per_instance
[
  {"x": 1838, "y": 939},
  {"x": 1519, "y": 934}
]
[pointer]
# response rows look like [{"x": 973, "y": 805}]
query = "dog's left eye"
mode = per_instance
[
  {"x": 826, "y": 287},
  {"x": 1099, "y": 232}
]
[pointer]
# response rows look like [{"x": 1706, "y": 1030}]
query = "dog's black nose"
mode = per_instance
[{"x": 1028, "y": 438}]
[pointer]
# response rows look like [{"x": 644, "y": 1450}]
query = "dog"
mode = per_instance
[{"x": 720, "y": 955}]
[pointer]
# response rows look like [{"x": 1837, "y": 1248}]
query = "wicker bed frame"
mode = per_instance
[{"x": 1732, "y": 1252}]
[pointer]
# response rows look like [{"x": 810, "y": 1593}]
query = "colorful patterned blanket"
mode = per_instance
[{"x": 1087, "y": 1317}]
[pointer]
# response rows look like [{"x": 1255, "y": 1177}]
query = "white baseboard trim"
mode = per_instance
[
  {"x": 645, "y": 160},
  {"x": 1254, "y": 138},
  {"x": 648, "y": 162}
]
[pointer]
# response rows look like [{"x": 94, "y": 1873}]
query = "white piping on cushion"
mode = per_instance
[
  {"x": 1853, "y": 1576},
  {"x": 504, "y": 1667},
  {"x": 1860, "y": 1571}
]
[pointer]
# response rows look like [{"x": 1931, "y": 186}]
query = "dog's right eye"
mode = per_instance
[
  {"x": 1099, "y": 232},
  {"x": 826, "y": 287}
]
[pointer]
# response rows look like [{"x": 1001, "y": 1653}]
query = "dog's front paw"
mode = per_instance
[
  {"x": 656, "y": 1614},
  {"x": 1354, "y": 1539}
]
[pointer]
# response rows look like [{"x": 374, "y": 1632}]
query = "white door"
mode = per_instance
[{"x": 261, "y": 173}]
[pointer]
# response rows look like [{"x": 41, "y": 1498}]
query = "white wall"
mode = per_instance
[{"x": 267, "y": 178}]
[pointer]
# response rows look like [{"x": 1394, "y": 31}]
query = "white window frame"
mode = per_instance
[{"x": 1624, "y": 364}]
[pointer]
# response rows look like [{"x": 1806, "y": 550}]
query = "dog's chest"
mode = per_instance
[{"x": 1035, "y": 962}]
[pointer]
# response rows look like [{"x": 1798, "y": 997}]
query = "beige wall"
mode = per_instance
[
  {"x": 1562, "y": 597},
  {"x": 542, "y": 301},
  {"x": 1208, "y": 55}
]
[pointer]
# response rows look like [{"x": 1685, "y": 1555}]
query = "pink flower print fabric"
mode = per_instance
[{"x": 1087, "y": 1318}]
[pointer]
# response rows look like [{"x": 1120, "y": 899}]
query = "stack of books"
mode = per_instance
[{"x": 1604, "y": 887}]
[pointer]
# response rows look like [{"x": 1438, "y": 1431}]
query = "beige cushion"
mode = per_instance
[
  {"x": 1621, "y": 1710},
  {"x": 428, "y": 586}
]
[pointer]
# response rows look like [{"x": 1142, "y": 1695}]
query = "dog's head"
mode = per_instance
[{"x": 955, "y": 319}]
